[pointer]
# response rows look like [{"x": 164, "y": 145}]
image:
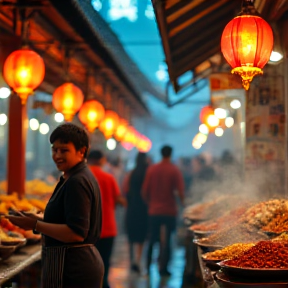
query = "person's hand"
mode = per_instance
[
  {"x": 24, "y": 222},
  {"x": 37, "y": 216}
]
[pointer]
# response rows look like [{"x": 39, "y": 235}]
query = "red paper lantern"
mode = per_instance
[
  {"x": 121, "y": 130},
  {"x": 109, "y": 124},
  {"x": 247, "y": 43},
  {"x": 91, "y": 114},
  {"x": 67, "y": 99},
  {"x": 24, "y": 71},
  {"x": 205, "y": 112},
  {"x": 144, "y": 144},
  {"x": 208, "y": 118}
]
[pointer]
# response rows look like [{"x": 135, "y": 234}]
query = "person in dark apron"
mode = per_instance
[{"x": 72, "y": 218}]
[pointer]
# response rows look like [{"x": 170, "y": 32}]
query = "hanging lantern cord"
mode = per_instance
[
  {"x": 24, "y": 27},
  {"x": 66, "y": 63},
  {"x": 248, "y": 8}
]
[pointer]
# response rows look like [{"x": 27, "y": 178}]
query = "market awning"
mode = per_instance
[
  {"x": 94, "y": 49},
  {"x": 191, "y": 31}
]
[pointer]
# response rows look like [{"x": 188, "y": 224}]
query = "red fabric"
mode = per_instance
[
  {"x": 109, "y": 193},
  {"x": 161, "y": 182}
]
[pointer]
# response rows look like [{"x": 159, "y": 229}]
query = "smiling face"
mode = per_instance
[{"x": 66, "y": 156}]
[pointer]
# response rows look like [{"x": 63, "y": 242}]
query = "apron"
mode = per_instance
[{"x": 53, "y": 264}]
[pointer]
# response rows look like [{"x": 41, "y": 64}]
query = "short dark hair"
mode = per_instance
[
  {"x": 69, "y": 132},
  {"x": 95, "y": 155},
  {"x": 166, "y": 151}
]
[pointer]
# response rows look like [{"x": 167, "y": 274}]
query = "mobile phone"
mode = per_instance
[{"x": 15, "y": 212}]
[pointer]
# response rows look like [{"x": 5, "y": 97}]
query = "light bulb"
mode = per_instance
[
  {"x": 219, "y": 131},
  {"x": 59, "y": 117},
  {"x": 235, "y": 104},
  {"x": 204, "y": 129},
  {"x": 229, "y": 122},
  {"x": 111, "y": 144},
  {"x": 220, "y": 113},
  {"x": 34, "y": 124},
  {"x": 44, "y": 128}
]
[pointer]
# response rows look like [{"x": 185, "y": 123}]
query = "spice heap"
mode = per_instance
[
  {"x": 212, "y": 209},
  {"x": 228, "y": 252},
  {"x": 237, "y": 233},
  {"x": 220, "y": 222},
  {"x": 262, "y": 213},
  {"x": 197, "y": 211},
  {"x": 278, "y": 224},
  {"x": 265, "y": 254}
]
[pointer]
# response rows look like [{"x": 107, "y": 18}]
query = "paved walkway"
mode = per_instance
[{"x": 120, "y": 275}]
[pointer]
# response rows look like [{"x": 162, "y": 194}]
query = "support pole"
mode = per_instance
[{"x": 16, "y": 166}]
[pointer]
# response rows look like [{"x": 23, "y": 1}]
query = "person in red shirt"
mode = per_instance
[
  {"x": 110, "y": 197},
  {"x": 161, "y": 182}
]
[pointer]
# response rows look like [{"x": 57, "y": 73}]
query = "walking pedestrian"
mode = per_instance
[
  {"x": 110, "y": 196},
  {"x": 136, "y": 215},
  {"x": 161, "y": 182}
]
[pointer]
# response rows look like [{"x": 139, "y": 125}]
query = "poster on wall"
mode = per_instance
[{"x": 265, "y": 132}]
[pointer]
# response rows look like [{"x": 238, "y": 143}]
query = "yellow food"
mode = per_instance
[{"x": 228, "y": 252}]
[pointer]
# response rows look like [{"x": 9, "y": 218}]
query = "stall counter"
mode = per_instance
[{"x": 19, "y": 261}]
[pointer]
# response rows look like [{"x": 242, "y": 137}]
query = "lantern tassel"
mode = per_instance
[
  {"x": 247, "y": 74},
  {"x": 23, "y": 97}
]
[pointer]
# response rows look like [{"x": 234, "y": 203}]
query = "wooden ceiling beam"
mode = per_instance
[
  {"x": 180, "y": 12},
  {"x": 161, "y": 20},
  {"x": 194, "y": 19},
  {"x": 199, "y": 56},
  {"x": 205, "y": 35},
  {"x": 206, "y": 23}
]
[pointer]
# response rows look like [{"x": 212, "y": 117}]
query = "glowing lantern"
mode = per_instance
[
  {"x": 121, "y": 130},
  {"x": 24, "y": 71},
  {"x": 247, "y": 43},
  {"x": 91, "y": 114},
  {"x": 208, "y": 118},
  {"x": 144, "y": 145},
  {"x": 109, "y": 123},
  {"x": 127, "y": 146},
  {"x": 67, "y": 99},
  {"x": 205, "y": 113},
  {"x": 129, "y": 136}
]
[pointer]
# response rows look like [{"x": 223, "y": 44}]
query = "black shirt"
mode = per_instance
[{"x": 76, "y": 203}]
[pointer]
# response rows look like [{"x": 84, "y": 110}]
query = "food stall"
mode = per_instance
[{"x": 246, "y": 246}]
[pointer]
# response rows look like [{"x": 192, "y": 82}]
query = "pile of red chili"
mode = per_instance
[{"x": 265, "y": 254}]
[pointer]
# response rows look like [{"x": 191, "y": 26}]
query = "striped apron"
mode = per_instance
[{"x": 53, "y": 264}]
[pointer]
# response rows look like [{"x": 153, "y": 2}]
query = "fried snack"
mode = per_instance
[{"x": 228, "y": 252}]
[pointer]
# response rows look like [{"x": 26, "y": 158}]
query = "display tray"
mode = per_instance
[
  {"x": 191, "y": 221},
  {"x": 271, "y": 234},
  {"x": 214, "y": 259},
  {"x": 225, "y": 281},
  {"x": 254, "y": 274},
  {"x": 32, "y": 241},
  {"x": 206, "y": 246},
  {"x": 6, "y": 251},
  {"x": 17, "y": 241},
  {"x": 199, "y": 233}
]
